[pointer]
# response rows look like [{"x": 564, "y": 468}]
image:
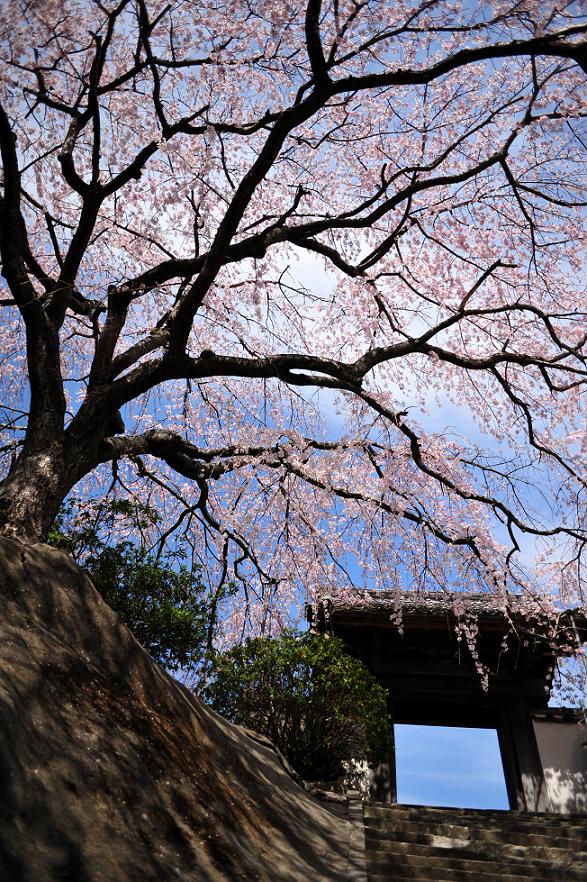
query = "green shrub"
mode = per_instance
[
  {"x": 166, "y": 609},
  {"x": 318, "y": 705}
]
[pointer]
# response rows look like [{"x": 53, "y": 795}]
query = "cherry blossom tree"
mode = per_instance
[{"x": 256, "y": 257}]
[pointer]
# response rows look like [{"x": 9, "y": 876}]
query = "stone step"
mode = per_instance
[
  {"x": 438, "y": 865},
  {"x": 474, "y": 830},
  {"x": 450, "y": 874},
  {"x": 375, "y": 809},
  {"x": 477, "y": 817},
  {"x": 425, "y": 844},
  {"x": 479, "y": 851},
  {"x": 448, "y": 861},
  {"x": 387, "y": 875},
  {"x": 458, "y": 836}
]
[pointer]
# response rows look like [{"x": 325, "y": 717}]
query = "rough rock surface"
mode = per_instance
[{"x": 111, "y": 772}]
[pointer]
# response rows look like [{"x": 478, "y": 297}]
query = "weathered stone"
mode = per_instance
[
  {"x": 110, "y": 771},
  {"x": 422, "y": 844}
]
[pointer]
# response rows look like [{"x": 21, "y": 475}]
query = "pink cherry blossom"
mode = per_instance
[{"x": 308, "y": 279}]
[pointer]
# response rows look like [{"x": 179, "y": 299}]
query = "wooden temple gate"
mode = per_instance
[{"x": 432, "y": 678}]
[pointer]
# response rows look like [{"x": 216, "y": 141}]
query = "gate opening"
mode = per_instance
[{"x": 449, "y": 766}]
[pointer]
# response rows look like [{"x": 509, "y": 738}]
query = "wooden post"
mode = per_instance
[
  {"x": 383, "y": 785},
  {"x": 523, "y": 772}
]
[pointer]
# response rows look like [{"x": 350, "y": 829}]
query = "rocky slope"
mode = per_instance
[{"x": 111, "y": 772}]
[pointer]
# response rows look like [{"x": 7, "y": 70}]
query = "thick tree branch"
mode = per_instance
[{"x": 47, "y": 408}]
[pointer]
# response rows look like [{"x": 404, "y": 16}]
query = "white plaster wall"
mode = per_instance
[{"x": 564, "y": 761}]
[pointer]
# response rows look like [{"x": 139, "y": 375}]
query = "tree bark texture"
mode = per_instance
[{"x": 33, "y": 492}]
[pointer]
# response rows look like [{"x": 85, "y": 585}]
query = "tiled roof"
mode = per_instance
[
  {"x": 441, "y": 602},
  {"x": 511, "y": 609},
  {"x": 413, "y": 602},
  {"x": 559, "y": 715}
]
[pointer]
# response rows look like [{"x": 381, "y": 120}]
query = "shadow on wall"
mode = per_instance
[
  {"x": 567, "y": 791},
  {"x": 564, "y": 761}
]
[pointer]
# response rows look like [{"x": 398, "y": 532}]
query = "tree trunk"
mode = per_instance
[{"x": 33, "y": 491}]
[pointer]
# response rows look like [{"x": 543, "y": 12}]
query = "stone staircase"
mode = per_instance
[{"x": 420, "y": 844}]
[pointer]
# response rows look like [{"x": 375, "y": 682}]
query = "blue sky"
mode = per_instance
[{"x": 446, "y": 766}]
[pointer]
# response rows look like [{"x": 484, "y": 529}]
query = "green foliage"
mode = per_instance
[
  {"x": 83, "y": 533},
  {"x": 318, "y": 705},
  {"x": 167, "y": 610},
  {"x": 166, "y": 606}
]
